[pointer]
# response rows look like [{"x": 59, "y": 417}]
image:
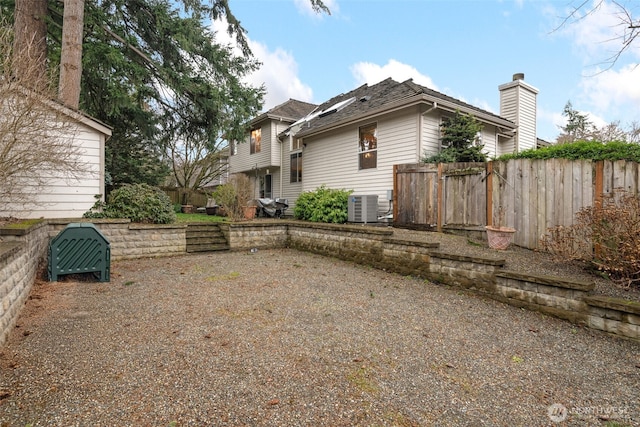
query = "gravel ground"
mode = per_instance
[{"x": 284, "y": 338}]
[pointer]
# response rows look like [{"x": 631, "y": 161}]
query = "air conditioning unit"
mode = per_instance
[{"x": 362, "y": 208}]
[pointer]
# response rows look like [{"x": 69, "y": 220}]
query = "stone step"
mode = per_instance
[
  {"x": 202, "y": 227},
  {"x": 206, "y": 239},
  {"x": 206, "y": 247}
]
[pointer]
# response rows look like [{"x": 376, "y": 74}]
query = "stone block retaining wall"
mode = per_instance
[
  {"x": 129, "y": 241},
  {"x": 22, "y": 251}
]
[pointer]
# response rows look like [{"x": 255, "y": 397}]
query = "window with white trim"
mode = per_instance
[
  {"x": 255, "y": 141},
  {"x": 296, "y": 144},
  {"x": 368, "y": 146},
  {"x": 296, "y": 167}
]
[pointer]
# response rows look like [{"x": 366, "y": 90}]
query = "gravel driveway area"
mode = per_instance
[{"x": 286, "y": 338}]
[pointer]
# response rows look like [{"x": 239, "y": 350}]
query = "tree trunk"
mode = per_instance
[
  {"x": 71, "y": 54},
  {"x": 30, "y": 41}
]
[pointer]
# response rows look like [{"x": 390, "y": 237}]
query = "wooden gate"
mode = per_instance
[
  {"x": 434, "y": 195},
  {"x": 415, "y": 190},
  {"x": 464, "y": 196}
]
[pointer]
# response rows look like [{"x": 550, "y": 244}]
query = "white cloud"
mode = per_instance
[
  {"x": 370, "y": 73},
  {"x": 278, "y": 72},
  {"x": 614, "y": 91}
]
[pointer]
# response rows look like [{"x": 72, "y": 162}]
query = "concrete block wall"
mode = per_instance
[
  {"x": 244, "y": 236},
  {"x": 613, "y": 315},
  {"x": 130, "y": 241},
  {"x": 21, "y": 254}
]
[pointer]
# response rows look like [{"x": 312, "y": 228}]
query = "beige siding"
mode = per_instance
[
  {"x": 269, "y": 155},
  {"x": 518, "y": 104},
  {"x": 430, "y": 134},
  {"x": 527, "y": 121},
  {"x": 397, "y": 141},
  {"x": 489, "y": 138}
]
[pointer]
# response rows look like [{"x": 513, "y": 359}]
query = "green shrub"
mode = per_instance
[
  {"x": 582, "y": 150},
  {"x": 459, "y": 135},
  {"x": 323, "y": 205},
  {"x": 137, "y": 202}
]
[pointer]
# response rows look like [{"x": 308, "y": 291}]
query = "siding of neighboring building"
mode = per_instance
[{"x": 62, "y": 198}]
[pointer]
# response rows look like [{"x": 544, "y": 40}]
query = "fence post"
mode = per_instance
[
  {"x": 439, "y": 184},
  {"x": 394, "y": 202},
  {"x": 489, "y": 192},
  {"x": 597, "y": 196}
]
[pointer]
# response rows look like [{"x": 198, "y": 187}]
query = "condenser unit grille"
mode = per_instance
[{"x": 362, "y": 208}]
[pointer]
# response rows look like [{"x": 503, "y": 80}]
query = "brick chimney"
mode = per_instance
[{"x": 518, "y": 104}]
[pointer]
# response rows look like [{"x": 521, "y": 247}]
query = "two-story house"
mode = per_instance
[
  {"x": 262, "y": 155},
  {"x": 353, "y": 140}
]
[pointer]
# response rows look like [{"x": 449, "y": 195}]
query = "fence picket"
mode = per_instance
[{"x": 535, "y": 194}]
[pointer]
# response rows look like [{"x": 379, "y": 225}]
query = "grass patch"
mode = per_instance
[
  {"x": 23, "y": 224},
  {"x": 362, "y": 378},
  {"x": 183, "y": 218}
]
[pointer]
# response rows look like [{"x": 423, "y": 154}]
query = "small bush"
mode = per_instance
[
  {"x": 604, "y": 236},
  {"x": 323, "y": 205},
  {"x": 137, "y": 202},
  {"x": 235, "y": 194}
]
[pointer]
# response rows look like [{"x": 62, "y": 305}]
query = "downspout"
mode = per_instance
[{"x": 281, "y": 189}]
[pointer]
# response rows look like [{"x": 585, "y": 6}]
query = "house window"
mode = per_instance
[
  {"x": 296, "y": 167},
  {"x": 296, "y": 144},
  {"x": 368, "y": 146},
  {"x": 256, "y": 139}
]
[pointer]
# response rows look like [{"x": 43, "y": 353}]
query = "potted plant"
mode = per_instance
[{"x": 499, "y": 236}]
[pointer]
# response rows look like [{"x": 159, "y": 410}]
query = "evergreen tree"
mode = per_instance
[
  {"x": 578, "y": 126},
  {"x": 460, "y": 137},
  {"x": 152, "y": 70}
]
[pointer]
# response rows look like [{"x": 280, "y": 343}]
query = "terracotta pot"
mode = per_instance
[
  {"x": 187, "y": 208},
  {"x": 499, "y": 237},
  {"x": 249, "y": 212}
]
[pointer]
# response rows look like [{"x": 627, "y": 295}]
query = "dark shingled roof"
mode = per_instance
[
  {"x": 290, "y": 110},
  {"x": 371, "y": 99}
]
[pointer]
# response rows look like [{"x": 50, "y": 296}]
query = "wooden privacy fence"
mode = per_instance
[
  {"x": 532, "y": 195},
  {"x": 180, "y": 195}
]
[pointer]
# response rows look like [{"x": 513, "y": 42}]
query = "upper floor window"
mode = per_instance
[
  {"x": 296, "y": 144},
  {"x": 255, "y": 141},
  {"x": 368, "y": 146}
]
